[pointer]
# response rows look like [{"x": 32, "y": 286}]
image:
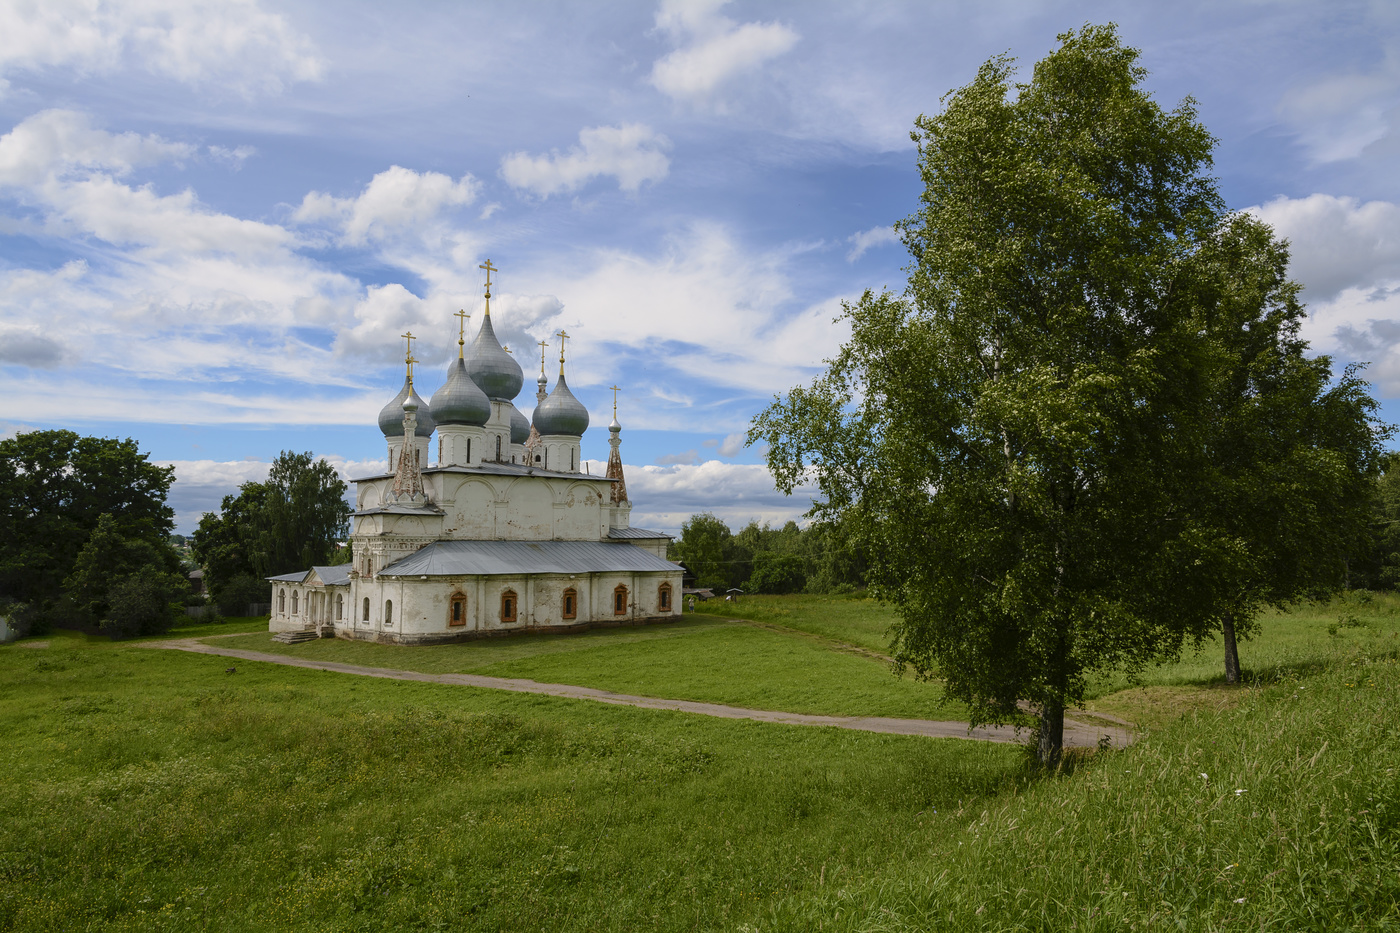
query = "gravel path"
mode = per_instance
[{"x": 1077, "y": 734}]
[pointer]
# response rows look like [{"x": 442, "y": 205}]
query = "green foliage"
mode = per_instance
[
  {"x": 777, "y": 573},
  {"x": 764, "y": 559},
  {"x": 1376, "y": 563},
  {"x": 1086, "y": 432},
  {"x": 54, "y": 486},
  {"x": 144, "y": 602},
  {"x": 291, "y": 522},
  {"x": 241, "y": 592}
]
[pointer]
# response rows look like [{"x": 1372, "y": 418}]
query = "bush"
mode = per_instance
[
  {"x": 241, "y": 591},
  {"x": 142, "y": 603}
]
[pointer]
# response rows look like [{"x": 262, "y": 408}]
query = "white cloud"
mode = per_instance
[
  {"x": 732, "y": 445},
  {"x": 62, "y": 143},
  {"x": 632, "y": 153},
  {"x": 665, "y": 496},
  {"x": 691, "y": 457},
  {"x": 233, "y": 158},
  {"x": 866, "y": 239},
  {"x": 232, "y": 44},
  {"x": 1337, "y": 242},
  {"x": 1339, "y": 116},
  {"x": 718, "y": 49},
  {"x": 395, "y": 199},
  {"x": 25, "y": 346}
]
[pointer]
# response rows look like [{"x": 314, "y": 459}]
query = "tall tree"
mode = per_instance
[
  {"x": 54, "y": 486},
  {"x": 1022, "y": 442},
  {"x": 293, "y": 521},
  {"x": 703, "y": 548}
]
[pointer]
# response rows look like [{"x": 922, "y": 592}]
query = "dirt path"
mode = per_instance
[{"x": 1077, "y": 734}]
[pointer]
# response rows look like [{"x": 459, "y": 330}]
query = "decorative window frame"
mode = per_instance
[
  {"x": 663, "y": 597},
  {"x": 620, "y": 605},
  {"x": 388, "y": 612},
  {"x": 569, "y": 604},
  {"x": 457, "y": 609},
  {"x": 510, "y": 607}
]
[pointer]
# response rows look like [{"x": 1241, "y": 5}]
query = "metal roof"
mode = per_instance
[
  {"x": 461, "y": 558},
  {"x": 621, "y": 533},
  {"x": 297, "y": 577},
  {"x": 339, "y": 575}
]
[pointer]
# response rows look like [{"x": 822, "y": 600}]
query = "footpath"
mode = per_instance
[{"x": 1078, "y": 734}]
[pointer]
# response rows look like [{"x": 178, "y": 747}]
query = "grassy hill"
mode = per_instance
[{"x": 150, "y": 790}]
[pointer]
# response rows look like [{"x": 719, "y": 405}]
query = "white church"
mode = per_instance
[{"x": 506, "y": 532}]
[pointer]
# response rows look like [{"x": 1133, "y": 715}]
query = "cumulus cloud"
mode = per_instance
[
  {"x": 665, "y": 496},
  {"x": 394, "y": 199},
  {"x": 632, "y": 153},
  {"x": 691, "y": 456},
  {"x": 1337, "y": 242},
  {"x": 22, "y": 346},
  {"x": 732, "y": 445},
  {"x": 232, "y": 44},
  {"x": 713, "y": 49},
  {"x": 866, "y": 239},
  {"x": 61, "y": 143}
]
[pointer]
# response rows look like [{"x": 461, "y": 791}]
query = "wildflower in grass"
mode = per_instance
[{"x": 1238, "y": 791}]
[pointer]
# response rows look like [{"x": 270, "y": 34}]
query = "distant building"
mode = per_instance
[{"x": 502, "y": 534}]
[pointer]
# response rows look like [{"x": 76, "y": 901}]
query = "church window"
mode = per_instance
[
  {"x": 388, "y": 612},
  {"x": 537, "y": 458},
  {"x": 469, "y": 450},
  {"x": 620, "y": 600},
  {"x": 459, "y": 610},
  {"x": 281, "y": 602},
  {"x": 508, "y": 606},
  {"x": 366, "y": 611},
  {"x": 294, "y": 603},
  {"x": 440, "y": 460},
  {"x": 546, "y": 458},
  {"x": 573, "y": 468},
  {"x": 339, "y": 607},
  {"x": 498, "y": 448},
  {"x": 571, "y": 603},
  {"x": 663, "y": 597}
]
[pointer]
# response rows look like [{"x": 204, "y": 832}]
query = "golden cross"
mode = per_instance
[
  {"x": 614, "y": 388},
  {"x": 489, "y": 269},
  {"x": 408, "y": 355},
  {"x": 562, "y": 337},
  {"x": 507, "y": 349},
  {"x": 543, "y": 344},
  {"x": 462, "y": 318}
]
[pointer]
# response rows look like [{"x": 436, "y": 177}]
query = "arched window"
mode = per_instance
[
  {"x": 498, "y": 448},
  {"x": 281, "y": 602},
  {"x": 459, "y": 610},
  {"x": 469, "y": 450},
  {"x": 620, "y": 600},
  {"x": 508, "y": 606},
  {"x": 537, "y": 458},
  {"x": 339, "y": 607},
  {"x": 366, "y": 613},
  {"x": 571, "y": 603},
  {"x": 663, "y": 597},
  {"x": 388, "y": 612},
  {"x": 573, "y": 468},
  {"x": 546, "y": 458},
  {"x": 294, "y": 602},
  {"x": 440, "y": 460}
]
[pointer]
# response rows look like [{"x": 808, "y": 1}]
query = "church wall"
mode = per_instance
[{"x": 529, "y": 514}]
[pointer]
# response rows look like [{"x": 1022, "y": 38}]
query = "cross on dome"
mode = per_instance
[
  {"x": 408, "y": 355},
  {"x": 462, "y": 317},
  {"x": 489, "y": 269}
]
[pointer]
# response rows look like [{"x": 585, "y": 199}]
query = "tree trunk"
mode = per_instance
[
  {"x": 1232, "y": 651},
  {"x": 1052, "y": 733}
]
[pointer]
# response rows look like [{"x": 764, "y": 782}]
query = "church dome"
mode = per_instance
[
  {"x": 459, "y": 401},
  {"x": 561, "y": 413},
  {"x": 492, "y": 368},
  {"x": 391, "y": 415},
  {"x": 519, "y": 427}
]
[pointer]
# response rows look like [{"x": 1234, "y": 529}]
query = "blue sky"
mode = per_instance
[{"x": 217, "y": 218}]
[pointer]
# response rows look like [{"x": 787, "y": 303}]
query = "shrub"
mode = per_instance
[{"x": 142, "y": 603}]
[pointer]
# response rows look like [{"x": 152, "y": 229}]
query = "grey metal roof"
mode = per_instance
[
  {"x": 624, "y": 533},
  {"x": 493, "y": 369},
  {"x": 458, "y": 558},
  {"x": 391, "y": 415},
  {"x": 459, "y": 401},
  {"x": 297, "y": 577},
  {"x": 339, "y": 575},
  {"x": 427, "y": 510}
]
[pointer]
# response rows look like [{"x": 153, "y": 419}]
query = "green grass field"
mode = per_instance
[{"x": 149, "y": 790}]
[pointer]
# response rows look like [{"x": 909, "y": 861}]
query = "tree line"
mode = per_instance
[
  {"x": 764, "y": 559},
  {"x": 85, "y": 534}
]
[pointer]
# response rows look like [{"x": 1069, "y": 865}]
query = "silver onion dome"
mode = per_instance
[
  {"x": 519, "y": 427},
  {"x": 493, "y": 370},
  {"x": 561, "y": 413},
  {"x": 459, "y": 401},
  {"x": 391, "y": 415}
]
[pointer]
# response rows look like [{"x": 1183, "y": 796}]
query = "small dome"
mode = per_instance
[
  {"x": 391, "y": 415},
  {"x": 519, "y": 427},
  {"x": 561, "y": 413},
  {"x": 459, "y": 401},
  {"x": 493, "y": 370}
]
